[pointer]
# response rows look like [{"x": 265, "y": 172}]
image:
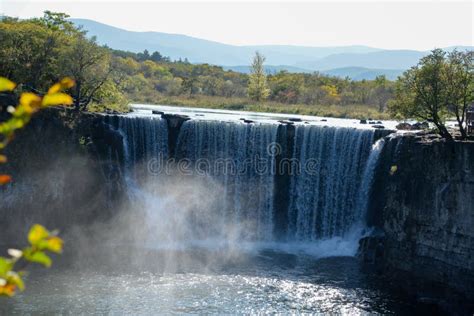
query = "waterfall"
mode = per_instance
[
  {"x": 323, "y": 201},
  {"x": 144, "y": 138},
  {"x": 236, "y": 156},
  {"x": 227, "y": 187},
  {"x": 367, "y": 179}
]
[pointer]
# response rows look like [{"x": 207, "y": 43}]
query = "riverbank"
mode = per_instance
[{"x": 355, "y": 111}]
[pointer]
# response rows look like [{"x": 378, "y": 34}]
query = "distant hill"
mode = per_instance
[
  {"x": 204, "y": 51},
  {"x": 357, "y": 62},
  {"x": 355, "y": 73},
  {"x": 389, "y": 59},
  {"x": 361, "y": 73}
]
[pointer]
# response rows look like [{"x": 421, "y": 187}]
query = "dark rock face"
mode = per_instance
[
  {"x": 423, "y": 200},
  {"x": 285, "y": 136},
  {"x": 65, "y": 172},
  {"x": 174, "y": 124}
]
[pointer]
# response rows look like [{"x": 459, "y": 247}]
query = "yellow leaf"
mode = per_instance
[
  {"x": 55, "y": 88},
  {"x": 55, "y": 244},
  {"x": 393, "y": 169},
  {"x": 64, "y": 84},
  {"x": 6, "y": 85},
  {"x": 29, "y": 101},
  {"x": 8, "y": 290},
  {"x": 3, "y": 158},
  {"x": 57, "y": 99},
  {"x": 15, "y": 279},
  {"x": 37, "y": 233},
  {"x": 4, "y": 179}
]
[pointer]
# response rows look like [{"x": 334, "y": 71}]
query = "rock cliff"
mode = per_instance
[{"x": 423, "y": 201}]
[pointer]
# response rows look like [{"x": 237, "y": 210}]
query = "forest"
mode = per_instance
[{"x": 37, "y": 52}]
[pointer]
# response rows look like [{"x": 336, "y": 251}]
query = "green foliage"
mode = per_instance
[
  {"x": 41, "y": 241},
  {"x": 460, "y": 86},
  {"x": 36, "y": 52},
  {"x": 439, "y": 87}
]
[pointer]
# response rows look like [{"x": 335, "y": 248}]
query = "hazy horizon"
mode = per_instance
[{"x": 421, "y": 25}]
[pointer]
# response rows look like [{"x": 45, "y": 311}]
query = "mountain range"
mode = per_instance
[{"x": 356, "y": 62}]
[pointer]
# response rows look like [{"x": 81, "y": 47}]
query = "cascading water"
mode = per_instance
[
  {"x": 324, "y": 200},
  {"x": 235, "y": 168},
  {"x": 236, "y": 156}
]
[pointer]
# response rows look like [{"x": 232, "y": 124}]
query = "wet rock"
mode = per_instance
[
  {"x": 363, "y": 122},
  {"x": 248, "y": 121},
  {"x": 324, "y": 120},
  {"x": 294, "y": 119},
  {"x": 371, "y": 249},
  {"x": 404, "y": 126},
  {"x": 378, "y": 126},
  {"x": 175, "y": 120},
  {"x": 157, "y": 112}
]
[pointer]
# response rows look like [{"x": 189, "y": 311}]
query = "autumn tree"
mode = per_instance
[{"x": 257, "y": 87}]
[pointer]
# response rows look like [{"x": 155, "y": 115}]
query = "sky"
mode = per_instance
[{"x": 420, "y": 25}]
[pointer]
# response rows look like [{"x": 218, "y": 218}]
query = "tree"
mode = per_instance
[
  {"x": 156, "y": 56},
  {"x": 460, "y": 86},
  {"x": 257, "y": 87},
  {"x": 89, "y": 65},
  {"x": 382, "y": 92},
  {"x": 421, "y": 92}
]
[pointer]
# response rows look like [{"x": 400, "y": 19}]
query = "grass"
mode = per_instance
[{"x": 355, "y": 111}]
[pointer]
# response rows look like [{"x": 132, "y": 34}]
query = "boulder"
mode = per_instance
[
  {"x": 420, "y": 125},
  {"x": 404, "y": 126}
]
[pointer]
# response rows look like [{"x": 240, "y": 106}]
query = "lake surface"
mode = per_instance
[{"x": 202, "y": 281}]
